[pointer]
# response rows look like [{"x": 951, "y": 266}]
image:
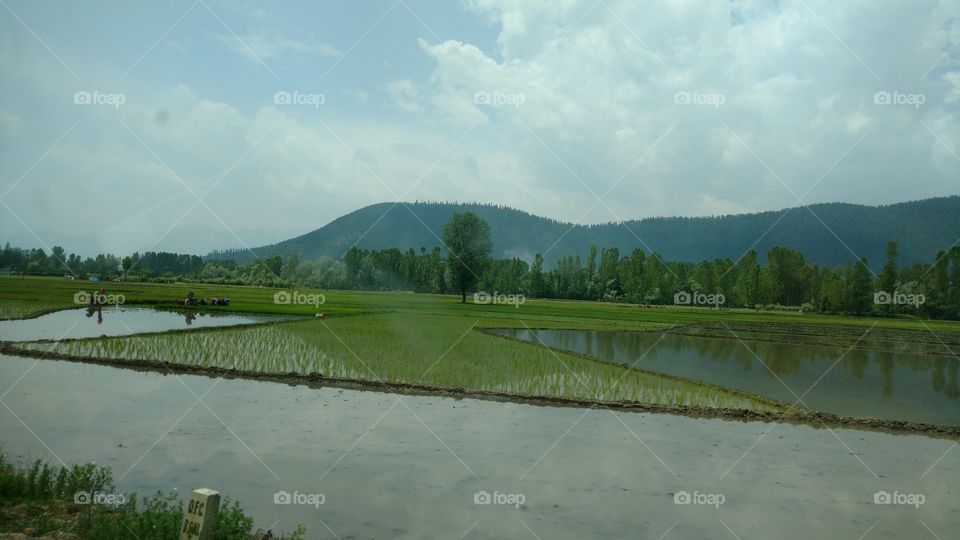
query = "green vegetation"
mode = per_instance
[
  {"x": 436, "y": 340},
  {"x": 921, "y": 228},
  {"x": 435, "y": 350},
  {"x": 47, "y": 293},
  {"x": 44, "y": 498},
  {"x": 786, "y": 281},
  {"x": 467, "y": 240}
]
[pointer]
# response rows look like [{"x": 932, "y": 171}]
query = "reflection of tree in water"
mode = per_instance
[
  {"x": 856, "y": 363},
  {"x": 944, "y": 376},
  {"x": 781, "y": 360},
  {"x": 885, "y": 362}
]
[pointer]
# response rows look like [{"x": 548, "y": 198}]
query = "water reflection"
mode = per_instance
[
  {"x": 414, "y": 474},
  {"x": 110, "y": 320},
  {"x": 852, "y": 382}
]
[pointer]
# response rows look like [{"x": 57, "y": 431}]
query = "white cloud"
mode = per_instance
[
  {"x": 597, "y": 86},
  {"x": 10, "y": 124},
  {"x": 404, "y": 95},
  {"x": 261, "y": 46},
  {"x": 797, "y": 86}
]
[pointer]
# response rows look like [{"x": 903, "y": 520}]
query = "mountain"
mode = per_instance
[{"x": 828, "y": 234}]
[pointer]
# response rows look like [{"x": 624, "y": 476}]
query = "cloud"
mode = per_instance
[
  {"x": 404, "y": 95},
  {"x": 262, "y": 47},
  {"x": 685, "y": 108},
  {"x": 795, "y": 87},
  {"x": 10, "y": 124}
]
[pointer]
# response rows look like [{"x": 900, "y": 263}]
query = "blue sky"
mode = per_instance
[{"x": 580, "y": 110}]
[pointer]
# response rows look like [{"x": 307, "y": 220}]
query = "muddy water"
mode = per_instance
[
  {"x": 411, "y": 468},
  {"x": 116, "y": 321},
  {"x": 866, "y": 384}
]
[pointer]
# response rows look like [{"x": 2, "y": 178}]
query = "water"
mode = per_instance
[
  {"x": 117, "y": 321},
  {"x": 410, "y": 468},
  {"x": 859, "y": 383}
]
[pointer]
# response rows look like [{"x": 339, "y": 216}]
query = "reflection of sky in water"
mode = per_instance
[
  {"x": 115, "y": 321},
  {"x": 598, "y": 481},
  {"x": 922, "y": 388}
]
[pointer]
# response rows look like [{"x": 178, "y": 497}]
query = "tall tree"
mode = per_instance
[
  {"x": 748, "y": 280},
  {"x": 788, "y": 270},
  {"x": 537, "y": 287},
  {"x": 887, "y": 280},
  {"x": 467, "y": 239}
]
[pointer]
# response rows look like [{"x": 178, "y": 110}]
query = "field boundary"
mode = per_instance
[{"x": 316, "y": 380}]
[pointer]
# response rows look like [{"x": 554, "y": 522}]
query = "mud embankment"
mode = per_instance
[{"x": 317, "y": 380}]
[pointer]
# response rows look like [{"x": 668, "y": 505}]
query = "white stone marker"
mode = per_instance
[{"x": 200, "y": 519}]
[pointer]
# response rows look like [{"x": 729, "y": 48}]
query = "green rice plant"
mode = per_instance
[{"x": 430, "y": 349}]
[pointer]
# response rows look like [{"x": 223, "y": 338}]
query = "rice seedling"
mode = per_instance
[{"x": 437, "y": 350}]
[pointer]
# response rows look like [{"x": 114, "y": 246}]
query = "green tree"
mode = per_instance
[
  {"x": 748, "y": 280},
  {"x": 887, "y": 280},
  {"x": 858, "y": 288},
  {"x": 467, "y": 239},
  {"x": 788, "y": 270}
]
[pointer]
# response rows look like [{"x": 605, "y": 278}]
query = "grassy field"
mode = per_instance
[
  {"x": 427, "y": 339},
  {"x": 435, "y": 350},
  {"x": 33, "y": 295}
]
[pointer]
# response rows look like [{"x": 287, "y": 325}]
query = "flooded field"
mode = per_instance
[
  {"x": 366, "y": 464},
  {"x": 385, "y": 348},
  {"x": 118, "y": 321},
  {"x": 848, "y": 382}
]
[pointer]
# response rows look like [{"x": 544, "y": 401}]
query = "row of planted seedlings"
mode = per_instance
[{"x": 382, "y": 348}]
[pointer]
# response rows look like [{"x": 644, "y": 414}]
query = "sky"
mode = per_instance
[{"x": 196, "y": 125}]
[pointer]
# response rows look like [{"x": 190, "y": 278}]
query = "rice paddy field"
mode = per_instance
[
  {"x": 435, "y": 340},
  {"x": 437, "y": 350}
]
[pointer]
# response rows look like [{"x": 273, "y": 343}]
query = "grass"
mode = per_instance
[
  {"x": 42, "y": 499},
  {"x": 45, "y": 293},
  {"x": 428, "y": 339},
  {"x": 430, "y": 349}
]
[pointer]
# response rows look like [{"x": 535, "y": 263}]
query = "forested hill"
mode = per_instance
[{"x": 827, "y": 234}]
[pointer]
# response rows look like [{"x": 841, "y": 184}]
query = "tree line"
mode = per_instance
[{"x": 784, "y": 281}]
